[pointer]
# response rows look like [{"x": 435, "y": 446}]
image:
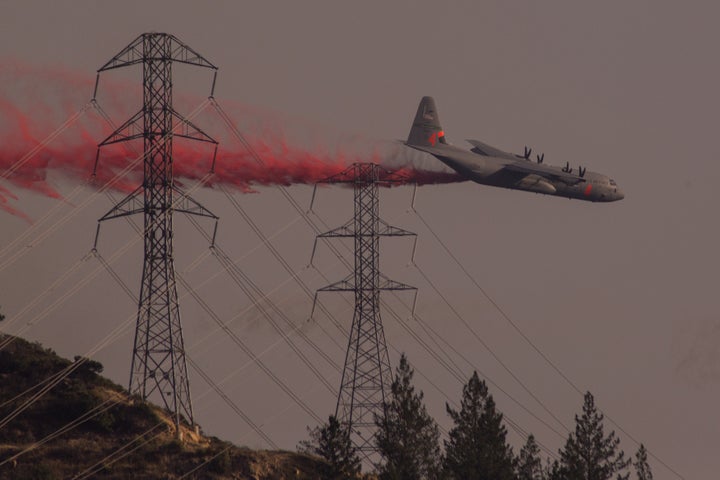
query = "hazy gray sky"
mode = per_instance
[{"x": 623, "y": 297}]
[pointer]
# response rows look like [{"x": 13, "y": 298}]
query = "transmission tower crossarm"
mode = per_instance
[
  {"x": 188, "y": 205},
  {"x": 132, "y": 54},
  {"x": 346, "y": 230},
  {"x": 387, "y": 230},
  {"x": 191, "y": 131},
  {"x": 388, "y": 284},
  {"x": 357, "y": 173},
  {"x": 348, "y": 285},
  {"x": 132, "y": 129},
  {"x": 345, "y": 285},
  {"x": 176, "y": 51},
  {"x": 130, "y": 205},
  {"x": 134, "y": 203}
]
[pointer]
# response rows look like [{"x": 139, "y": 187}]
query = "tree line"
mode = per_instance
[{"x": 476, "y": 448}]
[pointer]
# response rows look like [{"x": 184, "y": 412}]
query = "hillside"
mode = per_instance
[{"x": 121, "y": 438}]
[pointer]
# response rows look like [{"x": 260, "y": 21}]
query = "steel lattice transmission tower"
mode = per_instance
[
  {"x": 367, "y": 374},
  {"x": 158, "y": 362}
]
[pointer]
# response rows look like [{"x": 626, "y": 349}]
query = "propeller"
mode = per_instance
[
  {"x": 567, "y": 168},
  {"x": 540, "y": 158},
  {"x": 528, "y": 151},
  {"x": 581, "y": 171}
]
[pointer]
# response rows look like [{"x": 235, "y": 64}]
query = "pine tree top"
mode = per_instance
[
  {"x": 642, "y": 467},
  {"x": 476, "y": 446},
  {"x": 590, "y": 454},
  {"x": 407, "y": 437}
]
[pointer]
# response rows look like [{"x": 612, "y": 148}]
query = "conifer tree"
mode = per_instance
[
  {"x": 552, "y": 470},
  {"x": 588, "y": 453},
  {"x": 407, "y": 437},
  {"x": 642, "y": 467},
  {"x": 332, "y": 443},
  {"x": 529, "y": 464},
  {"x": 476, "y": 448}
]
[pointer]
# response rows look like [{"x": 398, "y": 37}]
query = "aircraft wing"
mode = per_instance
[
  {"x": 486, "y": 150},
  {"x": 529, "y": 168}
]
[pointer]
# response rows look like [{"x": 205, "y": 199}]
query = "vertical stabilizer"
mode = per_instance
[{"x": 426, "y": 130}]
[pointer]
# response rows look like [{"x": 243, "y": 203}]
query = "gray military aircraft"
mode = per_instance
[{"x": 489, "y": 166}]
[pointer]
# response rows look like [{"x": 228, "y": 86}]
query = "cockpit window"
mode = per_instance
[{"x": 612, "y": 182}]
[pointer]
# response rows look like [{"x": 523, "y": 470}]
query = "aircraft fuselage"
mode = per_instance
[
  {"x": 488, "y": 165},
  {"x": 493, "y": 171}
]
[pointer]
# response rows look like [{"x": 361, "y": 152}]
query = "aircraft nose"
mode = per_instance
[{"x": 619, "y": 195}]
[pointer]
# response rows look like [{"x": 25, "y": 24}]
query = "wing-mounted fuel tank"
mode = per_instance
[{"x": 536, "y": 183}]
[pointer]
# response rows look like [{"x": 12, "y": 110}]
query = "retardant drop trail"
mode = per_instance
[{"x": 41, "y": 103}]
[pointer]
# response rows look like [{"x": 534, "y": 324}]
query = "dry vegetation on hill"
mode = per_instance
[{"x": 150, "y": 449}]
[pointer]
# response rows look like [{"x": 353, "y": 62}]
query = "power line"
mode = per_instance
[
  {"x": 102, "y": 260},
  {"x": 205, "y": 306},
  {"x": 121, "y": 452},
  {"x": 537, "y": 349},
  {"x": 59, "y": 281},
  {"x": 283, "y": 190},
  {"x": 197, "y": 368},
  {"x": 231, "y": 404},
  {"x": 76, "y": 287},
  {"x": 79, "y": 207},
  {"x": 89, "y": 415},
  {"x": 423, "y": 274},
  {"x": 257, "y": 296},
  {"x": 458, "y": 376},
  {"x": 248, "y": 351},
  {"x": 487, "y": 347},
  {"x": 116, "y": 333},
  {"x": 205, "y": 463},
  {"x": 266, "y": 242},
  {"x": 47, "y": 140}
]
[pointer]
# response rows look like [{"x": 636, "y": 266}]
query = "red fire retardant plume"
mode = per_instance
[{"x": 36, "y": 101}]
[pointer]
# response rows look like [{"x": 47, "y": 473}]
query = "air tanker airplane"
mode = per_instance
[{"x": 489, "y": 166}]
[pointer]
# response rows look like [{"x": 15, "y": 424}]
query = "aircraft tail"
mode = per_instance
[{"x": 426, "y": 130}]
